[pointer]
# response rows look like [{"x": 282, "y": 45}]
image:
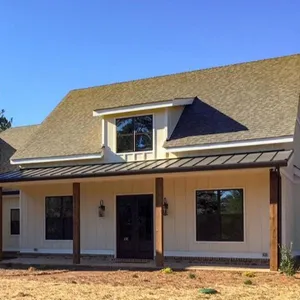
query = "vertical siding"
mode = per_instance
[
  {"x": 10, "y": 242},
  {"x": 32, "y": 205},
  {"x": 295, "y": 216},
  {"x": 174, "y": 114},
  {"x": 98, "y": 235},
  {"x": 159, "y": 137},
  {"x": 182, "y": 212}
]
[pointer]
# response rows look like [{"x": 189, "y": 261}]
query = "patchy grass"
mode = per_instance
[
  {"x": 249, "y": 274},
  {"x": 248, "y": 282},
  {"x": 134, "y": 285}
]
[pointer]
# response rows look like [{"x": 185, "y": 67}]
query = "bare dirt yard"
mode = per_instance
[{"x": 134, "y": 285}]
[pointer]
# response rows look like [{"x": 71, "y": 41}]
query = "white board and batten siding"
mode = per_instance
[
  {"x": 163, "y": 120},
  {"x": 10, "y": 242},
  {"x": 98, "y": 235}
]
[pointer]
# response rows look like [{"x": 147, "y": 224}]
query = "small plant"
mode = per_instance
[
  {"x": 135, "y": 276},
  {"x": 167, "y": 270},
  {"x": 192, "y": 276},
  {"x": 31, "y": 269},
  {"x": 249, "y": 274},
  {"x": 248, "y": 282},
  {"x": 287, "y": 263},
  {"x": 208, "y": 291}
]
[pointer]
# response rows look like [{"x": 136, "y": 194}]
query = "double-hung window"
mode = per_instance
[
  {"x": 59, "y": 218},
  {"x": 134, "y": 134},
  {"x": 220, "y": 215}
]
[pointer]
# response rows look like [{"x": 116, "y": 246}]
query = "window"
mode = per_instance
[
  {"x": 219, "y": 215},
  {"x": 15, "y": 221},
  {"x": 134, "y": 134},
  {"x": 59, "y": 218}
]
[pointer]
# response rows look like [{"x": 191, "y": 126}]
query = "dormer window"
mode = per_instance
[{"x": 134, "y": 134}]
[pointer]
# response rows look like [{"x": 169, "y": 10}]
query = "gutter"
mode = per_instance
[
  {"x": 249, "y": 143},
  {"x": 41, "y": 160}
]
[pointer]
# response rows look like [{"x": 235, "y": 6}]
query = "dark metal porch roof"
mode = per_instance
[{"x": 262, "y": 159}]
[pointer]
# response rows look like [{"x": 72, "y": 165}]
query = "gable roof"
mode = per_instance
[
  {"x": 259, "y": 98},
  {"x": 11, "y": 140},
  {"x": 17, "y": 137}
]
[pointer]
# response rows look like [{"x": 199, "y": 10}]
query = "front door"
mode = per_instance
[{"x": 135, "y": 226}]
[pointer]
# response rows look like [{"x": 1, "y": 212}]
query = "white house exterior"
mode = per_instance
[{"x": 201, "y": 165}]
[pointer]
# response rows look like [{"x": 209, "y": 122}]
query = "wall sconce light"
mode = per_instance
[
  {"x": 165, "y": 207},
  {"x": 101, "y": 209}
]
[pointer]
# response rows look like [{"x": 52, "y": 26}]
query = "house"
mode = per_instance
[
  {"x": 202, "y": 165},
  {"x": 10, "y": 141}
]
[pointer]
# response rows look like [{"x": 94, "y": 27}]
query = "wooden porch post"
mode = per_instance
[
  {"x": 275, "y": 219},
  {"x": 1, "y": 224},
  {"x": 76, "y": 223},
  {"x": 159, "y": 226}
]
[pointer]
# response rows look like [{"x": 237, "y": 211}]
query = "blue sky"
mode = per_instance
[{"x": 50, "y": 47}]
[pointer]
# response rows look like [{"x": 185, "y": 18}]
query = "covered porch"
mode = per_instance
[{"x": 173, "y": 184}]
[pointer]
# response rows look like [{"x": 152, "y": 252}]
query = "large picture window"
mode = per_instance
[
  {"x": 134, "y": 134},
  {"x": 219, "y": 215},
  {"x": 59, "y": 218}
]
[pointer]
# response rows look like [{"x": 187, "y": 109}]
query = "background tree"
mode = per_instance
[{"x": 4, "y": 122}]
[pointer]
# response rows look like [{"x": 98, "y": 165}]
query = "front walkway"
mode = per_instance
[{"x": 93, "y": 262}]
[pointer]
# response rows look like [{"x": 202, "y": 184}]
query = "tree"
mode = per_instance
[{"x": 4, "y": 122}]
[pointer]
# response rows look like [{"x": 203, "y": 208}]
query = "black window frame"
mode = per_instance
[
  {"x": 14, "y": 224},
  {"x": 133, "y": 134},
  {"x": 219, "y": 215},
  {"x": 65, "y": 234}
]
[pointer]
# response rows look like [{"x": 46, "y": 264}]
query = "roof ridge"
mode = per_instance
[{"x": 186, "y": 72}]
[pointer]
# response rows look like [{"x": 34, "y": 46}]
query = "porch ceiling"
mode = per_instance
[{"x": 261, "y": 159}]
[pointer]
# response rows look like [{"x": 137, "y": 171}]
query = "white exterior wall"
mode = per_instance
[
  {"x": 174, "y": 114},
  {"x": 296, "y": 219},
  {"x": 10, "y": 242},
  {"x": 98, "y": 235}
]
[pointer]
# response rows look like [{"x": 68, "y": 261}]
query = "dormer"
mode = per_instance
[{"x": 138, "y": 132}]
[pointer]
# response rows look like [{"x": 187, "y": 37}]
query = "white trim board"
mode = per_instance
[
  {"x": 67, "y": 251},
  {"x": 249, "y": 143},
  {"x": 38, "y": 160},
  {"x": 141, "y": 107},
  {"x": 250, "y": 255}
]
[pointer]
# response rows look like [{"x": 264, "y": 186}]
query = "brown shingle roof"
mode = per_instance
[
  {"x": 260, "y": 98},
  {"x": 11, "y": 140}
]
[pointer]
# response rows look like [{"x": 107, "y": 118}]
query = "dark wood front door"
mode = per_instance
[{"x": 135, "y": 226}]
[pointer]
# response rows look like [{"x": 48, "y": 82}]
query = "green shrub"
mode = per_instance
[
  {"x": 248, "y": 282},
  {"x": 192, "y": 276},
  {"x": 167, "y": 270},
  {"x": 287, "y": 262},
  {"x": 249, "y": 274}
]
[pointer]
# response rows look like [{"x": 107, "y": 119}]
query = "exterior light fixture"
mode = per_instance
[
  {"x": 101, "y": 209},
  {"x": 165, "y": 207}
]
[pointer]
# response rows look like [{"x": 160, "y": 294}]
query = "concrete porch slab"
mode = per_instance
[{"x": 66, "y": 262}]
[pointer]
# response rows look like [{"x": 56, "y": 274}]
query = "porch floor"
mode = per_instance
[{"x": 58, "y": 261}]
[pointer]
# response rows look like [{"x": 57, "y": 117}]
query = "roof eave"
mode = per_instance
[
  {"x": 145, "y": 106},
  {"x": 257, "y": 165},
  {"x": 234, "y": 144}
]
